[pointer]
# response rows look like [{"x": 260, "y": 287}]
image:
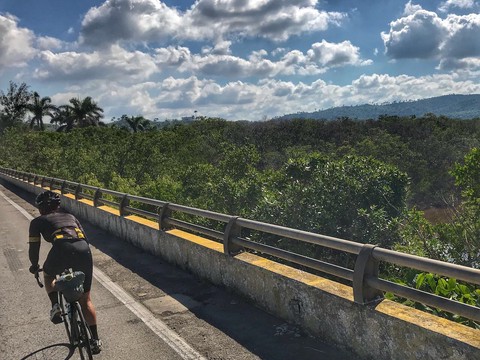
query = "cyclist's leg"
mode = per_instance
[
  {"x": 84, "y": 263},
  {"x": 88, "y": 309},
  {"x": 51, "y": 267},
  {"x": 90, "y": 315},
  {"x": 49, "y": 282}
]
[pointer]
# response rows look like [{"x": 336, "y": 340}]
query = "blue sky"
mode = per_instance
[{"x": 239, "y": 59}]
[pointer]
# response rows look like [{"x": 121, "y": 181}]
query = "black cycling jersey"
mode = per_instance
[
  {"x": 55, "y": 226},
  {"x": 69, "y": 250}
]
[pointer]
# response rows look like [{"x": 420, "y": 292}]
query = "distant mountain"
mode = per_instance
[{"x": 452, "y": 106}]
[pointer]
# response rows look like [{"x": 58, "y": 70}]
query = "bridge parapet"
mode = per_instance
[{"x": 357, "y": 317}]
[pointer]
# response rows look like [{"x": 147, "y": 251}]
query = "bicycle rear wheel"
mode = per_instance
[
  {"x": 75, "y": 330},
  {"x": 84, "y": 334}
]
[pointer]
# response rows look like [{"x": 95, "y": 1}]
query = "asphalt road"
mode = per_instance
[{"x": 147, "y": 309}]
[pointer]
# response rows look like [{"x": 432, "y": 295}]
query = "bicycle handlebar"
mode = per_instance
[{"x": 37, "y": 277}]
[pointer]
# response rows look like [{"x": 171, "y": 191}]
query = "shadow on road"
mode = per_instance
[{"x": 56, "y": 351}]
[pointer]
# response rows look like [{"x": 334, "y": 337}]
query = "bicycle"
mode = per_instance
[{"x": 69, "y": 285}]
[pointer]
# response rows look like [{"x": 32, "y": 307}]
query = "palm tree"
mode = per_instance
[
  {"x": 137, "y": 123},
  {"x": 83, "y": 113},
  {"x": 40, "y": 107},
  {"x": 63, "y": 116}
]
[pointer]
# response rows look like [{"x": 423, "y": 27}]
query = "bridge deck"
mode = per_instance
[{"x": 212, "y": 323}]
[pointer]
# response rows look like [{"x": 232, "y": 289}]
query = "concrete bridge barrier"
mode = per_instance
[{"x": 324, "y": 308}]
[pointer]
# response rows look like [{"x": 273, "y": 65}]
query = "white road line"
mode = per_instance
[
  {"x": 157, "y": 326},
  {"x": 16, "y": 206},
  {"x": 184, "y": 350}
]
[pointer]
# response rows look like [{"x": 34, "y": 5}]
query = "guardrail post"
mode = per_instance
[
  {"x": 64, "y": 185},
  {"x": 123, "y": 204},
  {"x": 52, "y": 182},
  {"x": 365, "y": 266},
  {"x": 78, "y": 192},
  {"x": 42, "y": 183},
  {"x": 35, "y": 178},
  {"x": 231, "y": 230},
  {"x": 96, "y": 197},
  {"x": 164, "y": 213}
]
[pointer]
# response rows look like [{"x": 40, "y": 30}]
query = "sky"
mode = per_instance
[{"x": 239, "y": 59}]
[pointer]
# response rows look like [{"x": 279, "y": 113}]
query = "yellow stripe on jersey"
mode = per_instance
[
  {"x": 58, "y": 236},
  {"x": 33, "y": 239},
  {"x": 80, "y": 233}
]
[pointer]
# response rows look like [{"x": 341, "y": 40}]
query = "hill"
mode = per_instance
[{"x": 452, "y": 106}]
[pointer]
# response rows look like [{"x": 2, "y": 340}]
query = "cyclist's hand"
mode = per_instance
[{"x": 34, "y": 268}]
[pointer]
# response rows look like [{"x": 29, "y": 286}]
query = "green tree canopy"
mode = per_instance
[{"x": 13, "y": 105}]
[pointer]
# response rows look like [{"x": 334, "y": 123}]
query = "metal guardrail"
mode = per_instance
[{"x": 367, "y": 286}]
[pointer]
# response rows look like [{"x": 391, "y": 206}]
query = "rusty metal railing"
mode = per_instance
[{"x": 367, "y": 285}]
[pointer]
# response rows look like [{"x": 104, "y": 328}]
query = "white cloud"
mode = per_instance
[
  {"x": 229, "y": 66},
  {"x": 112, "y": 63},
  {"x": 329, "y": 54},
  {"x": 130, "y": 20},
  {"x": 171, "y": 81},
  {"x": 462, "y": 4},
  {"x": 16, "y": 44},
  {"x": 279, "y": 51},
  {"x": 273, "y": 19},
  {"x": 382, "y": 87},
  {"x": 468, "y": 64},
  {"x": 463, "y": 38},
  {"x": 321, "y": 57},
  {"x": 153, "y": 21},
  {"x": 418, "y": 35},
  {"x": 173, "y": 56},
  {"x": 177, "y": 97},
  {"x": 221, "y": 48},
  {"x": 424, "y": 35},
  {"x": 411, "y": 8},
  {"x": 49, "y": 43}
]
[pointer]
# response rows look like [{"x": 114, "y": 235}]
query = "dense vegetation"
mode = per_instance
[{"x": 368, "y": 181}]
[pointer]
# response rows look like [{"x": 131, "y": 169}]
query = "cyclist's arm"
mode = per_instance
[
  {"x": 34, "y": 238},
  {"x": 34, "y": 252}
]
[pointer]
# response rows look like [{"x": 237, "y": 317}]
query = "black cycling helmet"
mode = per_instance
[{"x": 48, "y": 200}]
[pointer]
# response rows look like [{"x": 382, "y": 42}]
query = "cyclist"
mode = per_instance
[{"x": 69, "y": 250}]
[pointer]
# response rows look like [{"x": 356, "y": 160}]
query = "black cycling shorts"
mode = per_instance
[{"x": 70, "y": 253}]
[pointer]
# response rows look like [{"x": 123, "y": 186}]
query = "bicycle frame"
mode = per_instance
[{"x": 77, "y": 329}]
